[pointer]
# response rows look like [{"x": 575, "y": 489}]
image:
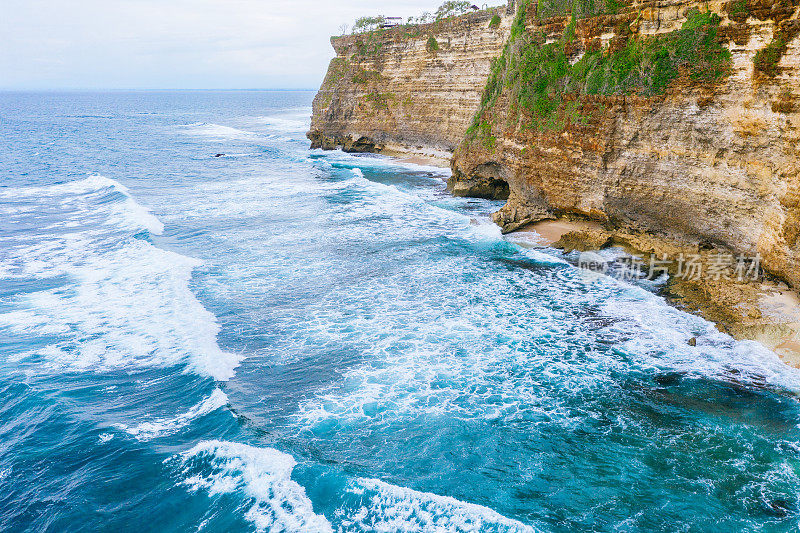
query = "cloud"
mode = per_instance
[{"x": 51, "y": 44}]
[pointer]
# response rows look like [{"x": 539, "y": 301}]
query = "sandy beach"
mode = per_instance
[
  {"x": 549, "y": 232},
  {"x": 423, "y": 158}
]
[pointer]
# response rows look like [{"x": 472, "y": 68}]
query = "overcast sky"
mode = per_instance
[{"x": 176, "y": 44}]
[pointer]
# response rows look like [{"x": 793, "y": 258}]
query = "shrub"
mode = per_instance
[
  {"x": 379, "y": 101},
  {"x": 425, "y": 18},
  {"x": 495, "y": 22},
  {"x": 483, "y": 130},
  {"x": 766, "y": 60},
  {"x": 362, "y": 76},
  {"x": 370, "y": 45},
  {"x": 432, "y": 45},
  {"x": 738, "y": 10}
]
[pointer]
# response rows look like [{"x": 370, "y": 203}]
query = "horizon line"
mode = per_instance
[{"x": 149, "y": 89}]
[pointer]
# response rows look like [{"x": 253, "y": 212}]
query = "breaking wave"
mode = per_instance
[
  {"x": 126, "y": 303},
  {"x": 273, "y": 501}
]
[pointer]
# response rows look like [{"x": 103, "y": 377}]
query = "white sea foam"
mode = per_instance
[
  {"x": 286, "y": 124},
  {"x": 161, "y": 427},
  {"x": 375, "y": 162},
  {"x": 130, "y": 307},
  {"x": 384, "y": 200},
  {"x": 81, "y": 201},
  {"x": 274, "y": 501},
  {"x": 495, "y": 355},
  {"x": 25, "y": 322},
  {"x": 137, "y": 215},
  {"x": 484, "y": 230},
  {"x": 77, "y": 187},
  {"x": 659, "y": 334},
  {"x": 127, "y": 305},
  {"x": 396, "y": 509},
  {"x": 217, "y": 131},
  {"x": 257, "y": 195}
]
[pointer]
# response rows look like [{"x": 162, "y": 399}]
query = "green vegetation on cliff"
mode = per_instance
[
  {"x": 739, "y": 10},
  {"x": 766, "y": 60},
  {"x": 543, "y": 80},
  {"x": 449, "y": 9},
  {"x": 577, "y": 8}
]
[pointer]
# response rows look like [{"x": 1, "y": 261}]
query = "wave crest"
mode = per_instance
[{"x": 275, "y": 502}]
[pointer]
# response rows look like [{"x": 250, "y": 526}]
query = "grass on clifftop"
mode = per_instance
[{"x": 543, "y": 84}]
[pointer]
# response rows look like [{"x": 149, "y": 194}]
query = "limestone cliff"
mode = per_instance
[
  {"x": 671, "y": 125},
  {"x": 412, "y": 88},
  {"x": 710, "y": 156}
]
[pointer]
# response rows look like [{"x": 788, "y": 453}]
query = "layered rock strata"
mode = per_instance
[{"x": 411, "y": 88}]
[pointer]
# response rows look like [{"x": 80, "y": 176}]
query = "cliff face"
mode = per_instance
[
  {"x": 670, "y": 118},
  {"x": 658, "y": 119},
  {"x": 409, "y": 88}
]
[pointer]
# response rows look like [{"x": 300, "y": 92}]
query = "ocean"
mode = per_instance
[{"x": 278, "y": 339}]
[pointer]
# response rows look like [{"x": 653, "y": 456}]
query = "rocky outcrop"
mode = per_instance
[
  {"x": 412, "y": 88},
  {"x": 711, "y": 159},
  {"x": 488, "y": 181}
]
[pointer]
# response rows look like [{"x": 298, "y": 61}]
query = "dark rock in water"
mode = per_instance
[
  {"x": 693, "y": 341},
  {"x": 779, "y": 507},
  {"x": 219, "y": 155},
  {"x": 665, "y": 380}
]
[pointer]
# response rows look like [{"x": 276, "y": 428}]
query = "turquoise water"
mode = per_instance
[{"x": 280, "y": 339}]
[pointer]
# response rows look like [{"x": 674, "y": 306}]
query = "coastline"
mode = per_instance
[
  {"x": 764, "y": 310},
  {"x": 702, "y": 163},
  {"x": 421, "y": 157}
]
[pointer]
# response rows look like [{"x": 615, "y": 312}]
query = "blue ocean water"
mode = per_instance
[{"x": 280, "y": 339}]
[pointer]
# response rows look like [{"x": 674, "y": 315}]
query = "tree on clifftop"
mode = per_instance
[
  {"x": 452, "y": 8},
  {"x": 365, "y": 24}
]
